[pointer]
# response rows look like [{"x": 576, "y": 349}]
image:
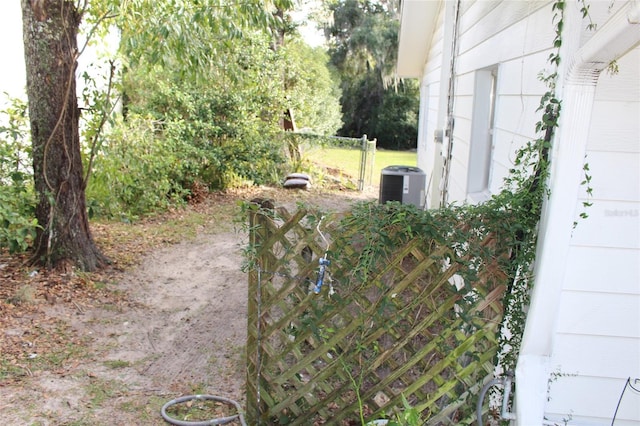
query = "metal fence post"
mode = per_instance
[{"x": 363, "y": 163}]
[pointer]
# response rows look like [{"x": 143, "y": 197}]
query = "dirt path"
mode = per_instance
[
  {"x": 198, "y": 296},
  {"x": 177, "y": 328},
  {"x": 180, "y": 330}
]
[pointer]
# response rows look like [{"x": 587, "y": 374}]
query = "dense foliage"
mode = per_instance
[
  {"x": 202, "y": 108},
  {"x": 179, "y": 134},
  {"x": 17, "y": 200},
  {"x": 307, "y": 71},
  {"x": 363, "y": 42},
  {"x": 190, "y": 98}
]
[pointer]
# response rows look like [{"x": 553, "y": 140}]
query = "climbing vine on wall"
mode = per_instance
[
  {"x": 525, "y": 192},
  {"x": 529, "y": 190}
]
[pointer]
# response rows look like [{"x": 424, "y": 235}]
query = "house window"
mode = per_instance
[{"x": 480, "y": 151}]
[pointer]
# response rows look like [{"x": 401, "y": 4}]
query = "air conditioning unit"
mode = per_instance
[{"x": 405, "y": 184}]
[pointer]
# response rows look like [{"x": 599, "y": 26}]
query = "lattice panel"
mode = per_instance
[{"x": 324, "y": 358}]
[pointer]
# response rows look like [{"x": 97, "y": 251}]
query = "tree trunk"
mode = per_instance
[{"x": 64, "y": 240}]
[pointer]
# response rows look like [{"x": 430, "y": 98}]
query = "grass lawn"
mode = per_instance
[{"x": 348, "y": 160}]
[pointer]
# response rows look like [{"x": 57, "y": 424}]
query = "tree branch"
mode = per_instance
[{"x": 103, "y": 120}]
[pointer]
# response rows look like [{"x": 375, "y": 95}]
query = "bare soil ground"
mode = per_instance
[{"x": 169, "y": 319}]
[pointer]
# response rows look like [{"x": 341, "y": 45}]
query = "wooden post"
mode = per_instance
[{"x": 258, "y": 233}]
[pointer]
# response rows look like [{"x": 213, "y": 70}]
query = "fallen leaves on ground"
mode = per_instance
[{"x": 32, "y": 336}]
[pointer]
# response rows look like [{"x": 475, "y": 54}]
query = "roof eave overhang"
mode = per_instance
[{"x": 417, "y": 23}]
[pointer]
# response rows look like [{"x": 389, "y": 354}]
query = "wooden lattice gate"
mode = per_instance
[{"x": 354, "y": 350}]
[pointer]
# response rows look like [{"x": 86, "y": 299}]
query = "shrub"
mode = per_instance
[
  {"x": 17, "y": 201},
  {"x": 133, "y": 172}
]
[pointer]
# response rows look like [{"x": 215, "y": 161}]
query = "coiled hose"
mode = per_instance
[{"x": 212, "y": 422}]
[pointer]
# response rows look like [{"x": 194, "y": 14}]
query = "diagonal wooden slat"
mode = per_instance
[{"x": 398, "y": 333}]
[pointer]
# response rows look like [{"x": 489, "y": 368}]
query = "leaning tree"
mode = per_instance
[{"x": 64, "y": 240}]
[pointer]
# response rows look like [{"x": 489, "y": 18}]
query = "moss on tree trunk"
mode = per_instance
[{"x": 50, "y": 46}]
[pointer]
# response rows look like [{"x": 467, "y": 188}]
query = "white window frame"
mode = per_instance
[{"x": 482, "y": 126}]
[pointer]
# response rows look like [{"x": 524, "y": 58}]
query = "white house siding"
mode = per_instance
[
  {"x": 510, "y": 35},
  {"x": 431, "y": 107},
  {"x": 597, "y": 342},
  {"x": 596, "y": 345},
  {"x": 519, "y": 92},
  {"x": 519, "y": 89}
]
